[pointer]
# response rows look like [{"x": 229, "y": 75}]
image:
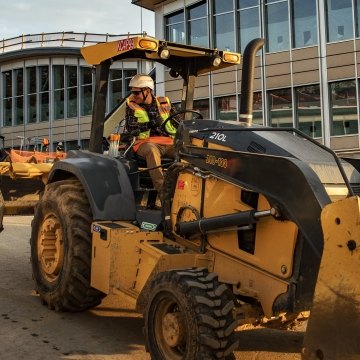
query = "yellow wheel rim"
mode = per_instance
[{"x": 51, "y": 247}]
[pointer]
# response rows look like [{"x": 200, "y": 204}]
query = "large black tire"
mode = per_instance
[
  {"x": 189, "y": 317},
  {"x": 61, "y": 248}
]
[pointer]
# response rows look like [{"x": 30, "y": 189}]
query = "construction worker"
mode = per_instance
[
  {"x": 45, "y": 144},
  {"x": 60, "y": 147},
  {"x": 145, "y": 113}
]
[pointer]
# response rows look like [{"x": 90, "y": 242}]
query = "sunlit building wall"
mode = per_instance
[
  {"x": 306, "y": 75},
  {"x": 47, "y": 89}
]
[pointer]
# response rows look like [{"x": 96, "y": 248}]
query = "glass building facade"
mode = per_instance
[
  {"x": 306, "y": 75},
  {"x": 47, "y": 91}
]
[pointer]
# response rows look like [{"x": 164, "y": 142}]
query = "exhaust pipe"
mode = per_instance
[{"x": 247, "y": 80}]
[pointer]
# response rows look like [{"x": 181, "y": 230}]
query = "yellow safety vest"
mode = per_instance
[{"x": 163, "y": 105}]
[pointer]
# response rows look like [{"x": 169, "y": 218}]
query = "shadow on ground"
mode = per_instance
[{"x": 270, "y": 340}]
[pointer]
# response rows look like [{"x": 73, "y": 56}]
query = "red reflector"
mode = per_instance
[{"x": 181, "y": 184}]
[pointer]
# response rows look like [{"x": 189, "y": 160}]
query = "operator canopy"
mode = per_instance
[{"x": 180, "y": 58}]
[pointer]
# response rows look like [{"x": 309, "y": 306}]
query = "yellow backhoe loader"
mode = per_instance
[{"x": 256, "y": 221}]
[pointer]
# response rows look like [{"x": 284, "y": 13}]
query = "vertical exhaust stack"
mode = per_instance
[{"x": 247, "y": 80}]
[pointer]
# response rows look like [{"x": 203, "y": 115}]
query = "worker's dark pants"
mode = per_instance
[{"x": 153, "y": 153}]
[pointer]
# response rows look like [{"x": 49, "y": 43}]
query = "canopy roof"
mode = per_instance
[{"x": 183, "y": 59}]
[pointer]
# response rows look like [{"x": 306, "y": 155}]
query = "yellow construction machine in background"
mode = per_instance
[{"x": 23, "y": 176}]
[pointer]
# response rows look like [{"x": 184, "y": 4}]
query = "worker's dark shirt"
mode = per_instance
[{"x": 155, "y": 120}]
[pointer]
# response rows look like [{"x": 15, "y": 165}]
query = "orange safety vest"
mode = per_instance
[{"x": 164, "y": 106}]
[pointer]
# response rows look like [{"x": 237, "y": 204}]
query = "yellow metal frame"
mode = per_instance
[{"x": 148, "y": 48}]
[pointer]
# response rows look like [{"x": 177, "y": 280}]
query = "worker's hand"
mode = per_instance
[{"x": 135, "y": 132}]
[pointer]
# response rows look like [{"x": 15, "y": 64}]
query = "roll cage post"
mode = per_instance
[{"x": 99, "y": 109}]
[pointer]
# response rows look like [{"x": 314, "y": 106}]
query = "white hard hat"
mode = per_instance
[
  {"x": 142, "y": 81},
  {"x": 60, "y": 143}
]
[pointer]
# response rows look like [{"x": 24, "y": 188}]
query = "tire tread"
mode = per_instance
[{"x": 73, "y": 293}]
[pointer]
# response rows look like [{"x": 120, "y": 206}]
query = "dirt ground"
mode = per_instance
[{"x": 112, "y": 331}]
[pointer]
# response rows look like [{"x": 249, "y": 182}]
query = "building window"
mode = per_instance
[
  {"x": 85, "y": 91},
  {"x": 225, "y": 108},
  {"x": 31, "y": 91},
  {"x": 119, "y": 80},
  {"x": 280, "y": 106},
  {"x": 7, "y": 100},
  {"x": 202, "y": 106},
  {"x": 84, "y": 144},
  {"x": 128, "y": 76},
  {"x": 277, "y": 23},
  {"x": 71, "y": 145},
  {"x": 18, "y": 96},
  {"x": 71, "y": 91},
  {"x": 357, "y": 18},
  {"x": 59, "y": 92},
  {"x": 197, "y": 24},
  {"x": 115, "y": 91},
  {"x": 304, "y": 23},
  {"x": 339, "y": 20},
  {"x": 224, "y": 27},
  {"x": 258, "y": 117},
  {"x": 308, "y": 110},
  {"x": 33, "y": 143},
  {"x": 344, "y": 108},
  {"x": 44, "y": 93},
  {"x": 248, "y": 22},
  {"x": 175, "y": 27}
]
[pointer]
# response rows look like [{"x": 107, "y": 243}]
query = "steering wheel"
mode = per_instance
[{"x": 175, "y": 122}]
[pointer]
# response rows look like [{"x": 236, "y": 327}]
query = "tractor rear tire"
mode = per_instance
[
  {"x": 61, "y": 248},
  {"x": 189, "y": 316}
]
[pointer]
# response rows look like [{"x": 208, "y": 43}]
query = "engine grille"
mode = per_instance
[
  {"x": 256, "y": 148},
  {"x": 356, "y": 189}
]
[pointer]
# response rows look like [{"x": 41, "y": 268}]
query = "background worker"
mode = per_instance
[
  {"x": 60, "y": 147},
  {"x": 45, "y": 144},
  {"x": 145, "y": 114}
]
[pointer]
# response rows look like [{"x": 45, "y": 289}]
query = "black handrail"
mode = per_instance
[{"x": 288, "y": 129}]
